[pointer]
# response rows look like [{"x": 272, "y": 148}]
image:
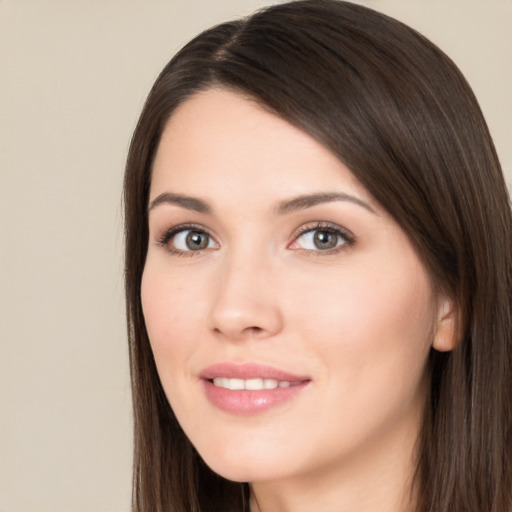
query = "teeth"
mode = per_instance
[
  {"x": 250, "y": 384},
  {"x": 270, "y": 383},
  {"x": 254, "y": 384},
  {"x": 236, "y": 384}
]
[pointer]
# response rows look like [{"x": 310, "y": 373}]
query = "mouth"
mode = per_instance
[
  {"x": 250, "y": 389},
  {"x": 256, "y": 384}
]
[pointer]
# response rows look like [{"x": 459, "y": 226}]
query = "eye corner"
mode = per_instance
[
  {"x": 322, "y": 238},
  {"x": 187, "y": 240}
]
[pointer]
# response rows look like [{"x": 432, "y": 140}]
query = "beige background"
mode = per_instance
[{"x": 73, "y": 78}]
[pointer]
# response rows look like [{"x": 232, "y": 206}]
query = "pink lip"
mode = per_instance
[
  {"x": 249, "y": 402},
  {"x": 248, "y": 371}
]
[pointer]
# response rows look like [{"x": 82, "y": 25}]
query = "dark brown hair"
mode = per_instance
[{"x": 396, "y": 110}]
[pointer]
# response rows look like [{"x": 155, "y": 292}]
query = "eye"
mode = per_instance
[
  {"x": 183, "y": 239},
  {"x": 192, "y": 240},
  {"x": 323, "y": 238}
]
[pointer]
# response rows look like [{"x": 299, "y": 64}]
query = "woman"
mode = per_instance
[{"x": 318, "y": 274}]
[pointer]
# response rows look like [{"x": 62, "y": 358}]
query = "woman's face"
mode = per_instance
[{"x": 289, "y": 316}]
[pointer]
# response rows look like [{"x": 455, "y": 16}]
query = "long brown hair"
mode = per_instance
[{"x": 396, "y": 110}]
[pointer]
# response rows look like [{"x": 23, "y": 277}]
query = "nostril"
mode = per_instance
[
  {"x": 234, "y": 317},
  {"x": 254, "y": 331}
]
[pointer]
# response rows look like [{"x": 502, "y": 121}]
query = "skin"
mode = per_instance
[{"x": 359, "y": 320}]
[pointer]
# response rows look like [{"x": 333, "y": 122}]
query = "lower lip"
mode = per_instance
[{"x": 248, "y": 402}]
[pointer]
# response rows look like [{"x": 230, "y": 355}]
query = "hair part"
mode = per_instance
[{"x": 400, "y": 115}]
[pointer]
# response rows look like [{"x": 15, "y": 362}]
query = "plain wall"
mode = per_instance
[{"x": 73, "y": 77}]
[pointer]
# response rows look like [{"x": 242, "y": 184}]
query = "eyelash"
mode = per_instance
[
  {"x": 171, "y": 233},
  {"x": 348, "y": 238}
]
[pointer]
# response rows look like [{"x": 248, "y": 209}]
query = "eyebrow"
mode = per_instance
[
  {"x": 189, "y": 203},
  {"x": 288, "y": 206},
  {"x": 310, "y": 200}
]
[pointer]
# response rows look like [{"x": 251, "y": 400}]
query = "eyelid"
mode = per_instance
[
  {"x": 348, "y": 237},
  {"x": 168, "y": 234},
  {"x": 341, "y": 231}
]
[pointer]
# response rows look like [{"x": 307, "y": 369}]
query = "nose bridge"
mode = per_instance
[{"x": 245, "y": 302}]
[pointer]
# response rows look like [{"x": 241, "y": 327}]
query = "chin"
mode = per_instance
[{"x": 246, "y": 466}]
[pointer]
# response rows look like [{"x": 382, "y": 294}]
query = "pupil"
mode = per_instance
[
  {"x": 197, "y": 240},
  {"x": 325, "y": 240}
]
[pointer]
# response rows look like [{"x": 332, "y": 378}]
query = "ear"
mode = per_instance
[{"x": 446, "y": 333}]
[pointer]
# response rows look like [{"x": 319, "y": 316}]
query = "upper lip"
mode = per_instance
[{"x": 249, "y": 371}]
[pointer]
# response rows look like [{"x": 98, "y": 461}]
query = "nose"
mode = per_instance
[{"x": 245, "y": 303}]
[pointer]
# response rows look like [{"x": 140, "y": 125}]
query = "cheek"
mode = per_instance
[
  {"x": 374, "y": 328},
  {"x": 363, "y": 301},
  {"x": 372, "y": 338},
  {"x": 170, "y": 314},
  {"x": 155, "y": 299}
]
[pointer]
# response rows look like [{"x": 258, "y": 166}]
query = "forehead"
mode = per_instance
[{"x": 219, "y": 141}]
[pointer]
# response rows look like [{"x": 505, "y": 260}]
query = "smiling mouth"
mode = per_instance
[
  {"x": 252, "y": 384},
  {"x": 249, "y": 388}
]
